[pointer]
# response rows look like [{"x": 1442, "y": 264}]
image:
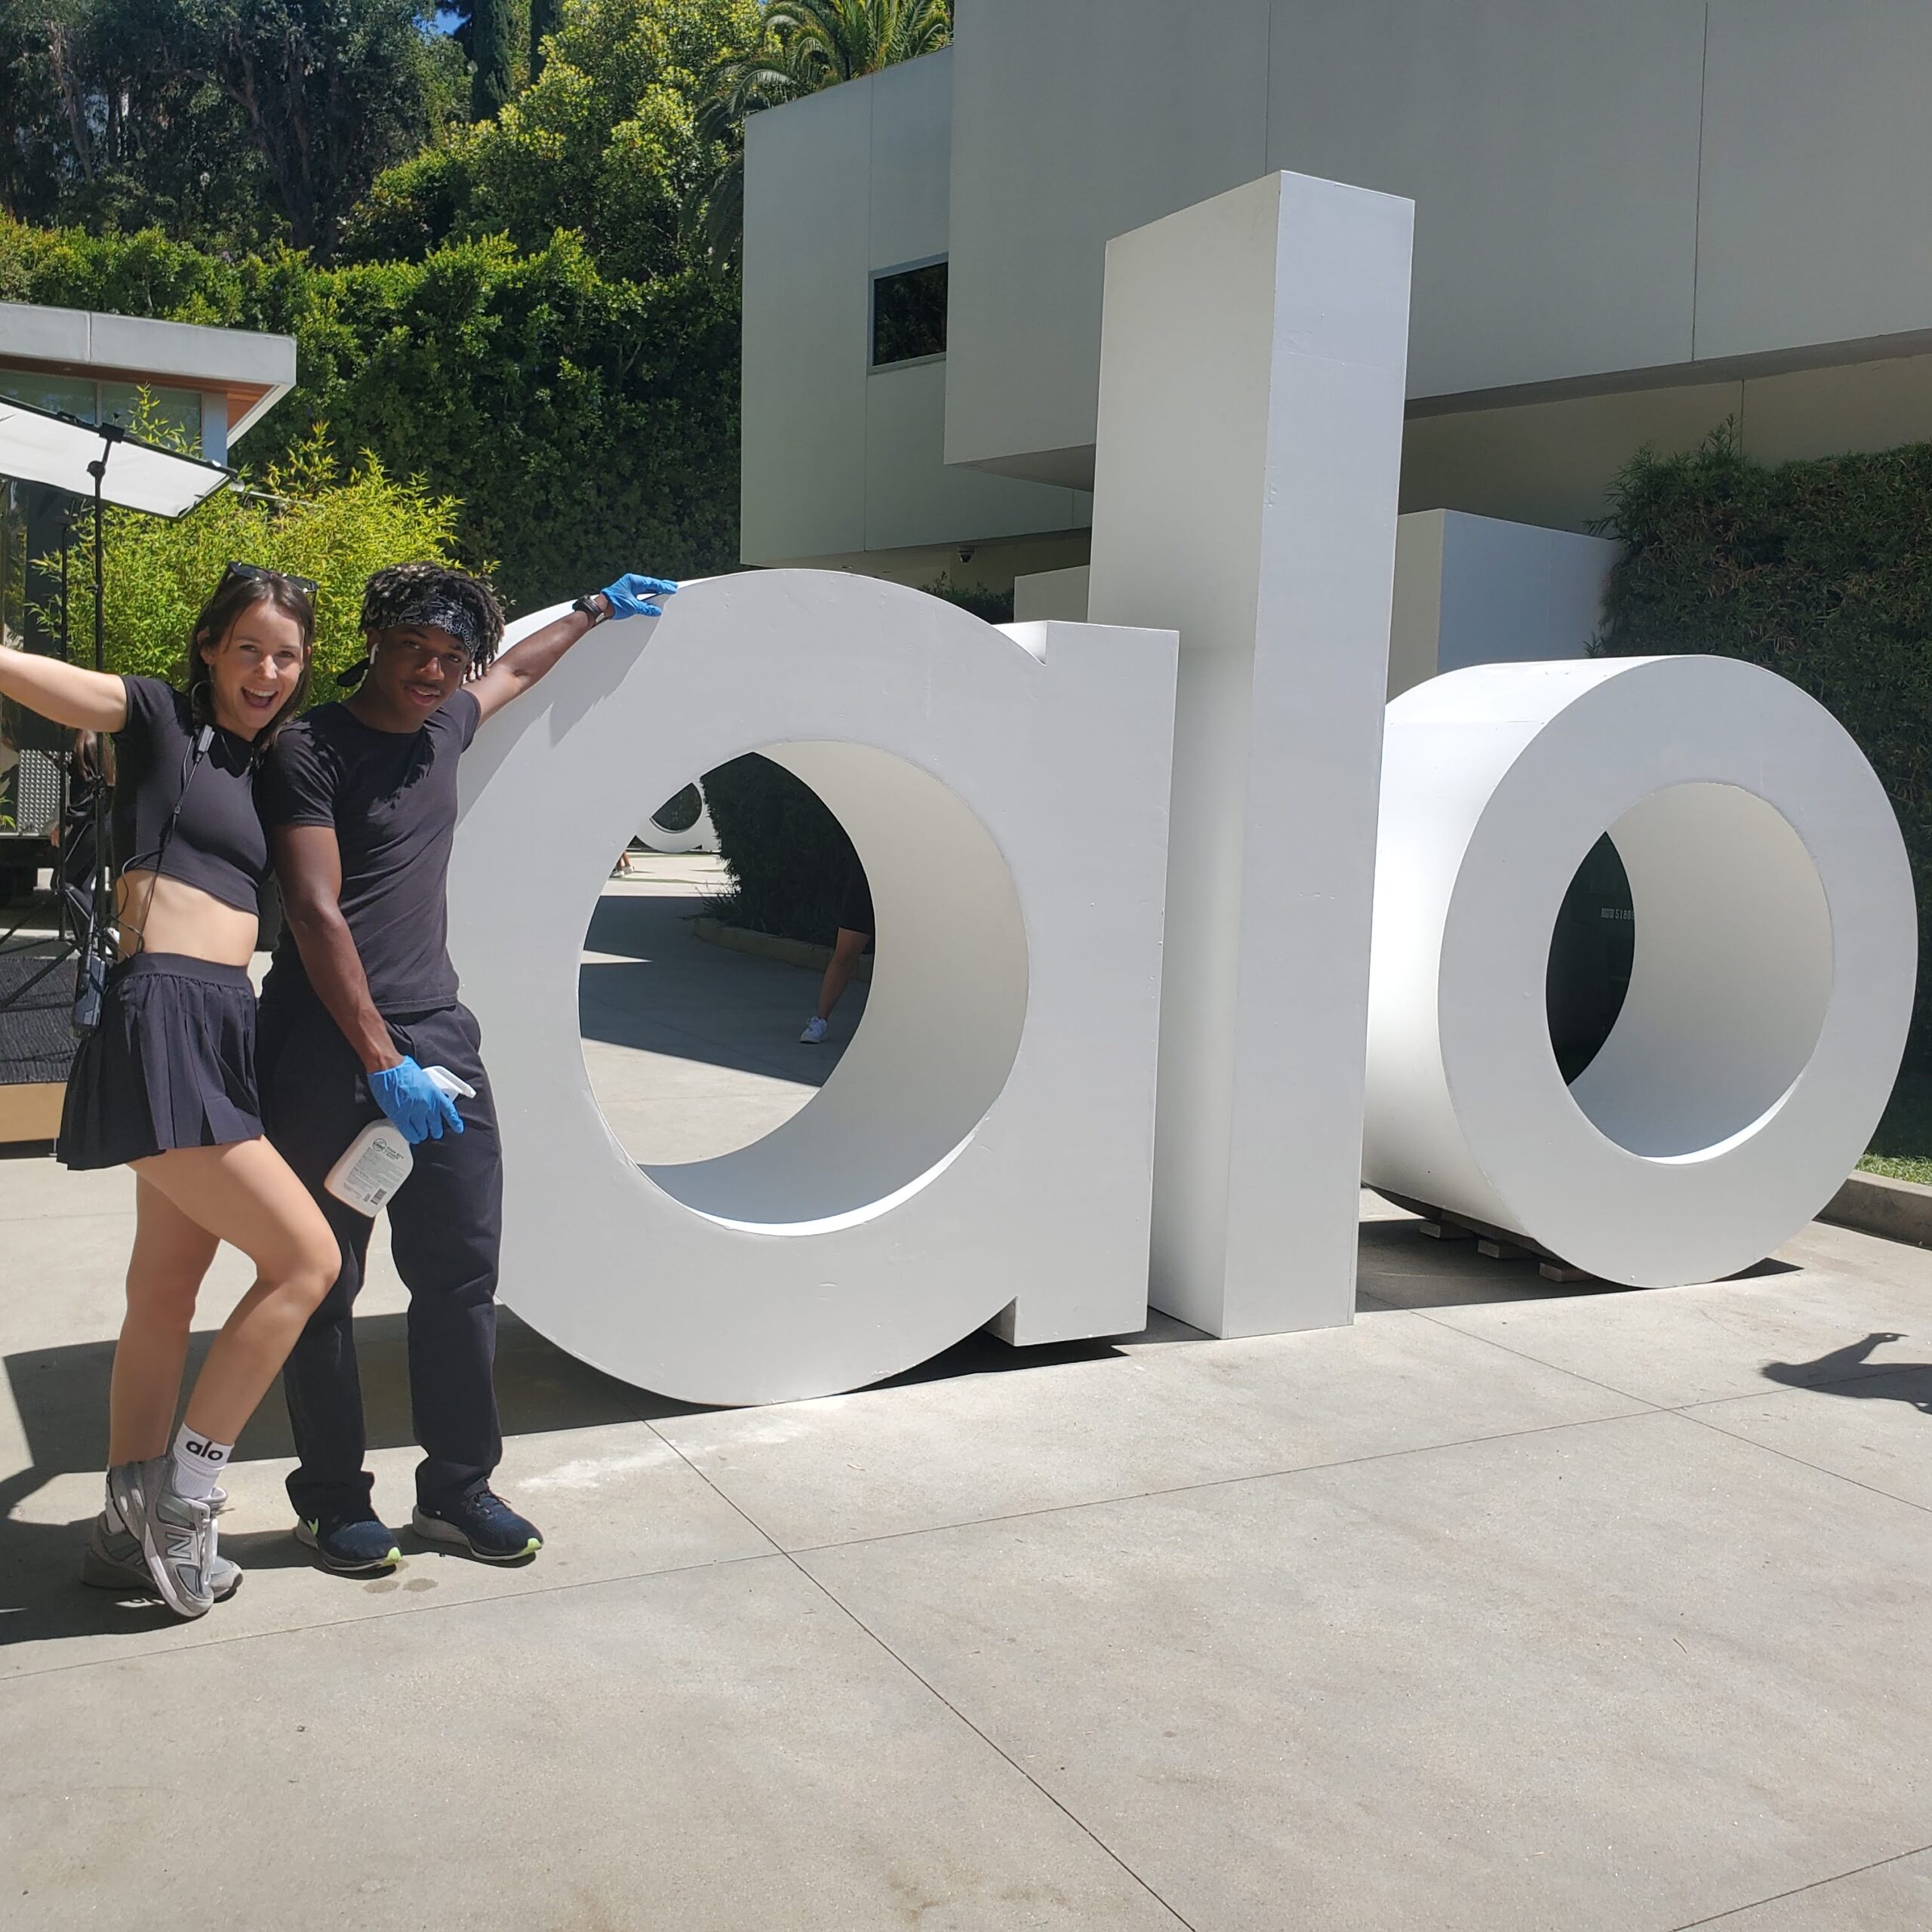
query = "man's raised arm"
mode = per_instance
[{"x": 519, "y": 667}]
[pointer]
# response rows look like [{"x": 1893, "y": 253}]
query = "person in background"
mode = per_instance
[
  {"x": 854, "y": 934},
  {"x": 165, "y": 1083},
  {"x": 361, "y": 801}
]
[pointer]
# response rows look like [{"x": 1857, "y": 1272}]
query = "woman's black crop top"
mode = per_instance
[{"x": 218, "y": 844}]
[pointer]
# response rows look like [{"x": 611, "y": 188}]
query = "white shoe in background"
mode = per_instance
[{"x": 814, "y": 1031}]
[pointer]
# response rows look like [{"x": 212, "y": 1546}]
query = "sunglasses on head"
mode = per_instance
[{"x": 251, "y": 571}]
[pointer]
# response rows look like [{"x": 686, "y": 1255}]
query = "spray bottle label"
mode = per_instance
[{"x": 376, "y": 1163}]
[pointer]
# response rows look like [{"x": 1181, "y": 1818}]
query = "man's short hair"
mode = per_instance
[{"x": 433, "y": 596}]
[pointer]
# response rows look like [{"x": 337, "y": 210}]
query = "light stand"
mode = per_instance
[{"x": 100, "y": 890}]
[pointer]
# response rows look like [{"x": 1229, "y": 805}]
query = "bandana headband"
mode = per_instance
[{"x": 432, "y": 609}]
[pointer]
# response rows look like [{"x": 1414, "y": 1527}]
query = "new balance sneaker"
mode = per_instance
[
  {"x": 114, "y": 1561},
  {"x": 350, "y": 1545},
  {"x": 177, "y": 1533},
  {"x": 814, "y": 1033},
  {"x": 483, "y": 1524}
]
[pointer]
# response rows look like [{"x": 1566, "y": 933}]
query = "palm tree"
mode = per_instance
[{"x": 805, "y": 45}]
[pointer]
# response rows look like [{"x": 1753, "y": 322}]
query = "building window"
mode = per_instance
[
  {"x": 909, "y": 314},
  {"x": 67, "y": 396},
  {"x": 178, "y": 412}
]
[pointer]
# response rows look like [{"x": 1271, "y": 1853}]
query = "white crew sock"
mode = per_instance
[{"x": 198, "y": 1462}]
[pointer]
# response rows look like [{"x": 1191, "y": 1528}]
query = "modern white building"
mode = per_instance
[{"x": 1633, "y": 222}]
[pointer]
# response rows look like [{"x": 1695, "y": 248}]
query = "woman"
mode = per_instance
[{"x": 166, "y": 1083}]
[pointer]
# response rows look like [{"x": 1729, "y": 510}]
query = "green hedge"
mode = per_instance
[
  {"x": 788, "y": 857},
  {"x": 587, "y": 426},
  {"x": 1820, "y": 570}
]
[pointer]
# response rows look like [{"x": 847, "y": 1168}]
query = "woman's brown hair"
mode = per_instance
[{"x": 235, "y": 594}]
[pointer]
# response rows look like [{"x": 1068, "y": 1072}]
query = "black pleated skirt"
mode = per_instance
[{"x": 172, "y": 1064}]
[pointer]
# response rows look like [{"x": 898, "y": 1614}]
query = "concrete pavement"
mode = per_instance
[{"x": 1510, "y": 1607}]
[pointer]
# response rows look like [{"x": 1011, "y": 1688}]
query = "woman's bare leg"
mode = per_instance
[
  {"x": 846, "y": 951},
  {"x": 171, "y": 1255},
  {"x": 246, "y": 1195}
]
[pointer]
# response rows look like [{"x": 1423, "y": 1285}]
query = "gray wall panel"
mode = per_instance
[
  {"x": 807, "y": 174},
  {"x": 1073, "y": 122},
  {"x": 1816, "y": 220},
  {"x": 1550, "y": 149}
]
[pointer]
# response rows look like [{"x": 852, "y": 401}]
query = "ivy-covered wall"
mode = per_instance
[{"x": 1820, "y": 570}]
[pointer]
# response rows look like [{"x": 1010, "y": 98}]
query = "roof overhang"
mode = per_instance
[{"x": 253, "y": 370}]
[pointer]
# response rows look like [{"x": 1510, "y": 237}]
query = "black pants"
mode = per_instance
[{"x": 445, "y": 1228}]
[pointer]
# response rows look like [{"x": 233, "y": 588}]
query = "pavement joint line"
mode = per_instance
[
  {"x": 1685, "y": 1409},
  {"x": 859, "y": 1623},
  {"x": 946, "y": 1702},
  {"x": 1798, "y": 1891},
  {"x": 1870, "y": 1489},
  {"x": 1524, "y": 1355},
  {"x": 737, "y": 1508},
  {"x": 1873, "y": 1373},
  {"x": 772, "y": 1555},
  {"x": 1212, "y": 1482}
]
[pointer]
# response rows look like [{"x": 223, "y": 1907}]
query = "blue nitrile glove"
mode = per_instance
[
  {"x": 420, "y": 1109},
  {"x": 630, "y": 596}
]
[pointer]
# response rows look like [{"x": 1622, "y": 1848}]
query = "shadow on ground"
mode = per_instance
[
  {"x": 1400, "y": 1267},
  {"x": 1851, "y": 1371},
  {"x": 61, "y": 1396},
  {"x": 664, "y": 991}
]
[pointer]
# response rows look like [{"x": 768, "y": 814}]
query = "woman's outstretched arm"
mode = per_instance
[{"x": 87, "y": 700}]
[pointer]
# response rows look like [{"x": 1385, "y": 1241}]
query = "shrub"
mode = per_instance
[
  {"x": 1820, "y": 570},
  {"x": 307, "y": 517},
  {"x": 586, "y": 426},
  {"x": 787, "y": 855}
]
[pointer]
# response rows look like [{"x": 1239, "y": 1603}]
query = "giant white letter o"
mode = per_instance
[
  {"x": 1776, "y": 952},
  {"x": 983, "y": 1150}
]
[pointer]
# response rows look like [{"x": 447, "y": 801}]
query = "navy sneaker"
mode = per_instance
[
  {"x": 481, "y": 1524},
  {"x": 350, "y": 1545}
]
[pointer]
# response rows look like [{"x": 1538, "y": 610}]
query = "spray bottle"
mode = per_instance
[{"x": 377, "y": 1161}]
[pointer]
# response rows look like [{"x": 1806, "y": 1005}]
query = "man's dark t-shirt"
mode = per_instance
[{"x": 391, "y": 796}]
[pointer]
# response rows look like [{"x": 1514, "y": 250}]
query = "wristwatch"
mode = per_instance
[{"x": 594, "y": 605}]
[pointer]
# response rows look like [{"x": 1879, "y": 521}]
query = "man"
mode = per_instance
[{"x": 360, "y": 798}]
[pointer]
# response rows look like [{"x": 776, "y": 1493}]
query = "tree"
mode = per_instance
[
  {"x": 605, "y": 142},
  {"x": 226, "y": 122},
  {"x": 105, "y": 127},
  {"x": 307, "y": 516},
  {"x": 805, "y": 45},
  {"x": 545, "y": 17},
  {"x": 332, "y": 91},
  {"x": 584, "y": 422},
  {"x": 489, "y": 37}
]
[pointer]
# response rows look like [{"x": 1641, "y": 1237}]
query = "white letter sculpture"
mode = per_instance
[
  {"x": 1769, "y": 992},
  {"x": 983, "y": 1152},
  {"x": 1252, "y": 359}
]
